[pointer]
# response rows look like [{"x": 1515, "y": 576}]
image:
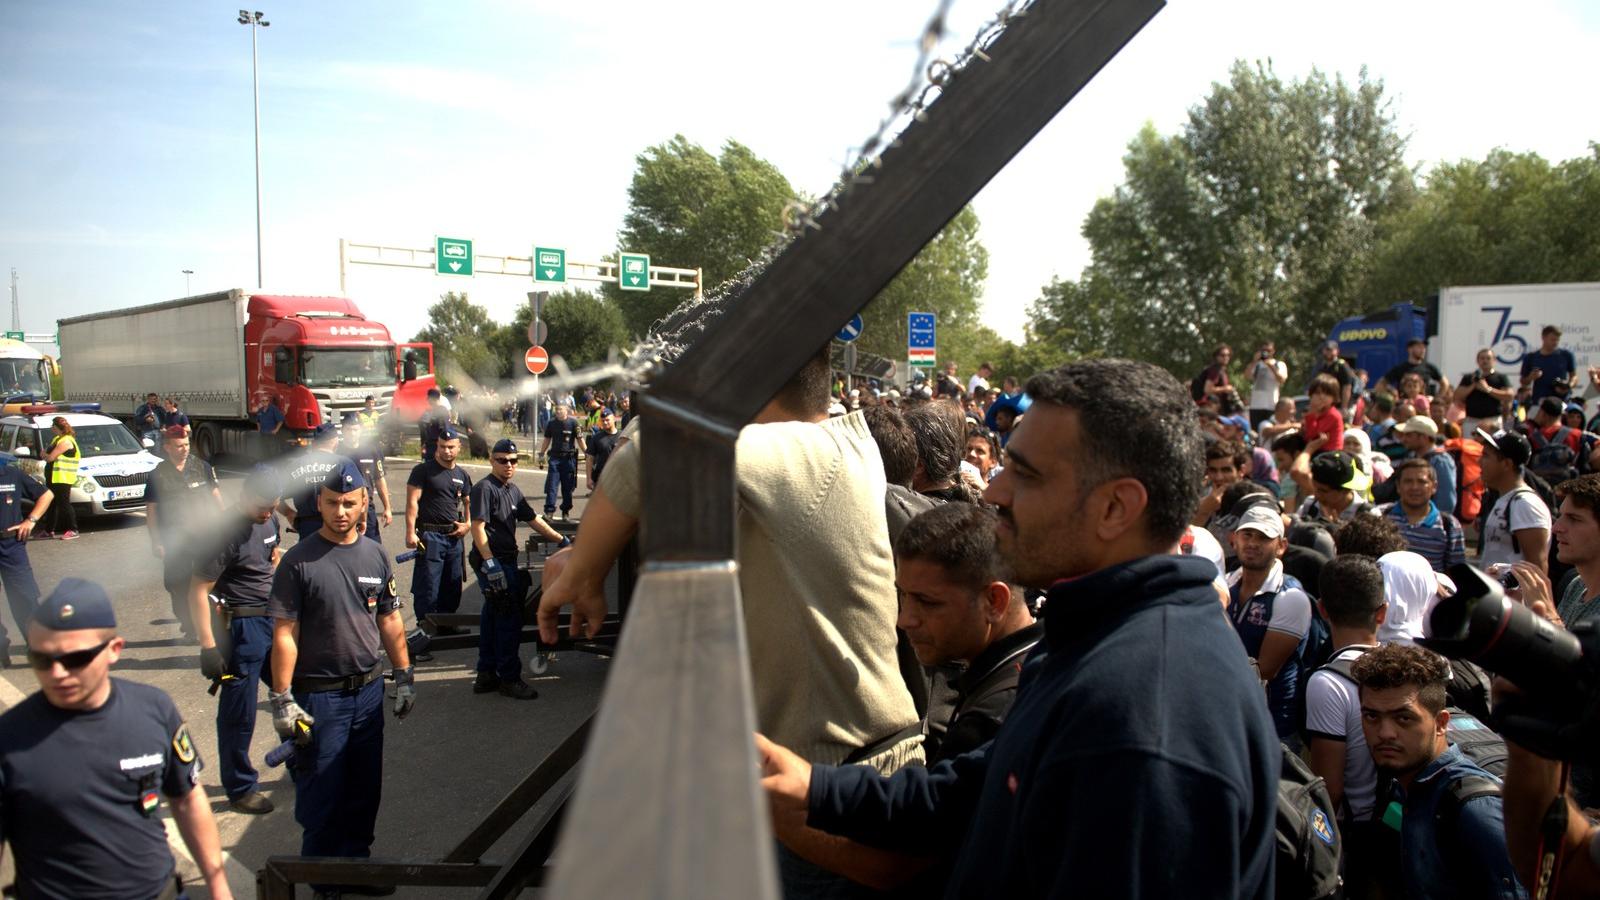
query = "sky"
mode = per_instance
[{"x": 127, "y": 150}]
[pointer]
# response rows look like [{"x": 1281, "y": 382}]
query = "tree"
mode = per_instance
[
  {"x": 463, "y": 338},
  {"x": 584, "y": 327},
  {"x": 1253, "y": 224},
  {"x": 687, "y": 208},
  {"x": 946, "y": 279},
  {"x": 1510, "y": 219}
]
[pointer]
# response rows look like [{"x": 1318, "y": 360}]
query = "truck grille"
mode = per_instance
[{"x": 114, "y": 481}]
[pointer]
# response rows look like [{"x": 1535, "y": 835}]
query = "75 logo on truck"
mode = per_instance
[{"x": 1509, "y": 347}]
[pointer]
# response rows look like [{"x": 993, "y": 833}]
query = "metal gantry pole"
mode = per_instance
[{"x": 255, "y": 19}]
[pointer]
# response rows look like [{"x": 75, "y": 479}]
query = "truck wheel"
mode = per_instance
[{"x": 207, "y": 442}]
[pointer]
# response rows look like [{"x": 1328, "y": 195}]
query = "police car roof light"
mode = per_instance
[{"x": 36, "y": 409}]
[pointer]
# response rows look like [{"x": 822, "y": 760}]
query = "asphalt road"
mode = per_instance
[{"x": 445, "y": 767}]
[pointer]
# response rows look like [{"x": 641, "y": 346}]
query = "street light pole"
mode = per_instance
[
  {"x": 187, "y": 291},
  {"x": 254, "y": 19}
]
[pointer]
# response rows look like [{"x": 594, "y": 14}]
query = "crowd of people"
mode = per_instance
[{"x": 1055, "y": 639}]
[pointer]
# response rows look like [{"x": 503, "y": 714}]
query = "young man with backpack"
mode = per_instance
[
  {"x": 1557, "y": 449},
  {"x": 1353, "y": 603},
  {"x": 1452, "y": 833},
  {"x": 1270, "y": 613},
  {"x": 1518, "y": 527}
]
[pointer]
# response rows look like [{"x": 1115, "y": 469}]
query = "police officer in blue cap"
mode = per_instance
[
  {"x": 497, "y": 505},
  {"x": 304, "y": 473},
  {"x": 436, "y": 521},
  {"x": 335, "y": 614},
  {"x": 180, "y": 501},
  {"x": 360, "y": 445},
  {"x": 23, "y": 502},
  {"x": 85, "y": 762},
  {"x": 228, "y": 600}
]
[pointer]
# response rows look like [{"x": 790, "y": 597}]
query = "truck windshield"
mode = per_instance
[
  {"x": 24, "y": 376},
  {"x": 104, "y": 440},
  {"x": 329, "y": 367}
]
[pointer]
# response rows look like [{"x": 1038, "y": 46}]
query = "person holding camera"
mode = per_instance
[
  {"x": 1485, "y": 394},
  {"x": 1452, "y": 834},
  {"x": 1267, "y": 374}
]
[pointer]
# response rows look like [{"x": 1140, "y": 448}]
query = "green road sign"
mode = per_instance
[
  {"x": 550, "y": 264},
  {"x": 633, "y": 271},
  {"x": 452, "y": 256},
  {"x": 15, "y": 335}
]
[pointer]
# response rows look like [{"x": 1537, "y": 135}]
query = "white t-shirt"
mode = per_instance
[
  {"x": 1333, "y": 711},
  {"x": 1206, "y": 546},
  {"x": 1527, "y": 511},
  {"x": 977, "y": 381},
  {"x": 1264, "y": 385}
]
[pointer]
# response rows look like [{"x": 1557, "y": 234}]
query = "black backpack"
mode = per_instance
[
  {"x": 1307, "y": 843},
  {"x": 1553, "y": 459}
]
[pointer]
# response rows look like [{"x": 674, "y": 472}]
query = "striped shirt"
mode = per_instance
[{"x": 1437, "y": 538}]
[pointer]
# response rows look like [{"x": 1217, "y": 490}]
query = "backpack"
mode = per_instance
[
  {"x": 1553, "y": 459},
  {"x": 1307, "y": 845},
  {"x": 1468, "y": 456}
]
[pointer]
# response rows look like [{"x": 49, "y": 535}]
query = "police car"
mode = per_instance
[{"x": 111, "y": 477}]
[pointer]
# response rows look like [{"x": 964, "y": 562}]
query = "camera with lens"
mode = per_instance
[{"x": 1558, "y": 671}]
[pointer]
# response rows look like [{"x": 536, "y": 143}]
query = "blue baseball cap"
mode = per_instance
[
  {"x": 74, "y": 605},
  {"x": 449, "y": 433},
  {"x": 344, "y": 478},
  {"x": 264, "y": 482},
  {"x": 505, "y": 445},
  {"x": 323, "y": 430}
]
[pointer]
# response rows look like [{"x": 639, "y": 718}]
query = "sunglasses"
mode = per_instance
[
  {"x": 73, "y": 661},
  {"x": 505, "y": 460}
]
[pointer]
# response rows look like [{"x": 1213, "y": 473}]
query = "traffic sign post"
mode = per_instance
[
  {"x": 452, "y": 256},
  {"x": 922, "y": 339},
  {"x": 537, "y": 360},
  {"x": 633, "y": 271},
  {"x": 851, "y": 330},
  {"x": 550, "y": 265}
]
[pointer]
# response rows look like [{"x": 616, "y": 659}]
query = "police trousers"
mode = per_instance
[
  {"x": 338, "y": 780},
  {"x": 500, "y": 621},
  {"x": 563, "y": 474},
  {"x": 436, "y": 576},
  {"x": 22, "y": 592},
  {"x": 177, "y": 567},
  {"x": 248, "y": 662}
]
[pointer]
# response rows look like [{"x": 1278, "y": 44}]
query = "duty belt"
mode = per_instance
[
  {"x": 438, "y": 528},
  {"x": 345, "y": 683},
  {"x": 246, "y": 612}
]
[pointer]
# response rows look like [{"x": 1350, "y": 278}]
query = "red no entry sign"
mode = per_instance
[{"x": 537, "y": 360}]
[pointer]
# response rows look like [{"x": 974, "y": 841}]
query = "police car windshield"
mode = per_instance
[
  {"x": 326, "y": 367},
  {"x": 103, "y": 440},
  {"x": 24, "y": 376}
]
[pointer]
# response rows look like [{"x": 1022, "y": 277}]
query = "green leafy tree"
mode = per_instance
[
  {"x": 946, "y": 279},
  {"x": 1512, "y": 218},
  {"x": 1254, "y": 223},
  {"x": 584, "y": 327},
  {"x": 463, "y": 339},
  {"x": 689, "y": 209}
]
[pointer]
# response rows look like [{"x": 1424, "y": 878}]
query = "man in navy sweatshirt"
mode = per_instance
[{"x": 1139, "y": 759}]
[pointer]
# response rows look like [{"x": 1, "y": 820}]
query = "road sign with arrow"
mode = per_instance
[
  {"x": 550, "y": 265},
  {"x": 633, "y": 271},
  {"x": 452, "y": 256}
]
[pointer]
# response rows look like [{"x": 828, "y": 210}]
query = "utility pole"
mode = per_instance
[
  {"x": 16, "y": 306},
  {"x": 187, "y": 274},
  {"x": 254, "y": 19}
]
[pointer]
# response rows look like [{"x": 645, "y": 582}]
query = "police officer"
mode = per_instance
[
  {"x": 497, "y": 505},
  {"x": 232, "y": 582},
  {"x": 18, "y": 490},
  {"x": 180, "y": 501},
  {"x": 334, "y": 613},
  {"x": 435, "y": 524},
  {"x": 434, "y": 419},
  {"x": 304, "y": 472},
  {"x": 560, "y": 450},
  {"x": 85, "y": 761},
  {"x": 361, "y": 447}
]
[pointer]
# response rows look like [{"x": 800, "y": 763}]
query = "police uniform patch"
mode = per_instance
[
  {"x": 182, "y": 745},
  {"x": 1320, "y": 825},
  {"x": 392, "y": 591}
]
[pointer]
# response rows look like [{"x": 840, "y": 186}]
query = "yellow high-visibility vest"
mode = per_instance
[{"x": 64, "y": 469}]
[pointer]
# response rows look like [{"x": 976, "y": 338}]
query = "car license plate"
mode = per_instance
[{"x": 125, "y": 493}]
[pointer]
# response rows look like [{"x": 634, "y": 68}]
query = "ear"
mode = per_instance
[
  {"x": 1117, "y": 507},
  {"x": 1381, "y": 614},
  {"x": 996, "y": 598},
  {"x": 1441, "y": 721}
]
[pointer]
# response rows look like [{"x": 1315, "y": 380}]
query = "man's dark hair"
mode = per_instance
[
  {"x": 1241, "y": 489},
  {"x": 807, "y": 392},
  {"x": 1369, "y": 535},
  {"x": 896, "y": 444},
  {"x": 1134, "y": 421},
  {"x": 1229, "y": 450},
  {"x": 1293, "y": 443},
  {"x": 1384, "y": 401},
  {"x": 1352, "y": 590},
  {"x": 1550, "y": 329},
  {"x": 959, "y": 538},
  {"x": 1400, "y": 468},
  {"x": 1399, "y": 665},
  {"x": 1583, "y": 491},
  {"x": 1415, "y": 341},
  {"x": 1325, "y": 384},
  {"x": 941, "y": 436}
]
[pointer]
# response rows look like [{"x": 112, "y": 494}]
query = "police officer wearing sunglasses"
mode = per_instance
[
  {"x": 497, "y": 505},
  {"x": 85, "y": 762},
  {"x": 23, "y": 502}
]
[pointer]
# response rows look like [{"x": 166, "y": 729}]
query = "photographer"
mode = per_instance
[
  {"x": 1267, "y": 375},
  {"x": 1485, "y": 394}
]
